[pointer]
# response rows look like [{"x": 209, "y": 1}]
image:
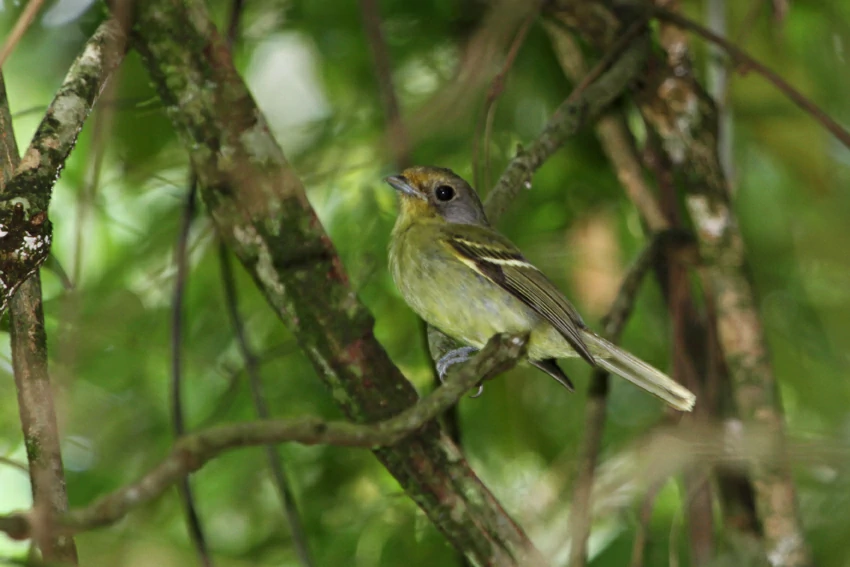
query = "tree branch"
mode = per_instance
[
  {"x": 585, "y": 103},
  {"x": 684, "y": 117},
  {"x": 594, "y": 418},
  {"x": 24, "y": 245},
  {"x": 192, "y": 451},
  {"x": 181, "y": 260},
  {"x": 252, "y": 369},
  {"x": 748, "y": 63},
  {"x": 26, "y": 232},
  {"x": 32, "y": 381},
  {"x": 260, "y": 209},
  {"x": 614, "y": 136}
]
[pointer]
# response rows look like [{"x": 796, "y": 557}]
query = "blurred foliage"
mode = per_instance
[{"x": 309, "y": 68}]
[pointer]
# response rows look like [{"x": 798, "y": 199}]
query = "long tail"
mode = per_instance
[{"x": 614, "y": 359}]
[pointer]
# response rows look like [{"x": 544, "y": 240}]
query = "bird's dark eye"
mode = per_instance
[{"x": 444, "y": 193}]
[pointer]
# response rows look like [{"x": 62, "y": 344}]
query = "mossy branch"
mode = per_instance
[
  {"x": 261, "y": 211},
  {"x": 25, "y": 231}
]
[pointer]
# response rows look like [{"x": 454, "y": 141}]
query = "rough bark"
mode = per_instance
[
  {"x": 259, "y": 207},
  {"x": 684, "y": 117},
  {"x": 25, "y": 231},
  {"x": 24, "y": 245}
]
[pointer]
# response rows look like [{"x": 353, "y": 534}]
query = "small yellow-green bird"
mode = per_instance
[{"x": 464, "y": 278}]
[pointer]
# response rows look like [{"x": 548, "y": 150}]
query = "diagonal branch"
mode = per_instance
[
  {"x": 260, "y": 209},
  {"x": 192, "y": 451},
  {"x": 626, "y": 59},
  {"x": 25, "y": 230}
]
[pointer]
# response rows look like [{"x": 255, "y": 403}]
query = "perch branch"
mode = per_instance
[{"x": 193, "y": 450}]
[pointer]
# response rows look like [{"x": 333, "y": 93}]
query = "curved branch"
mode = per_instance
[{"x": 192, "y": 451}]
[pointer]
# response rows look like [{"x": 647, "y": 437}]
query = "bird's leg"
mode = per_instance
[{"x": 453, "y": 357}]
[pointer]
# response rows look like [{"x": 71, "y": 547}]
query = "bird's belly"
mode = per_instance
[{"x": 461, "y": 303}]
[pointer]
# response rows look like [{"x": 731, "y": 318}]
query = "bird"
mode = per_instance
[{"x": 466, "y": 279}]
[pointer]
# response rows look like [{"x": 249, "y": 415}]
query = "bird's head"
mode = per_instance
[{"x": 437, "y": 193}]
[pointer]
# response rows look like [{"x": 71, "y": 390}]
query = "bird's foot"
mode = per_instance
[{"x": 453, "y": 357}]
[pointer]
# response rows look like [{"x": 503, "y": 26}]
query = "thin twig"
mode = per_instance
[
  {"x": 181, "y": 259},
  {"x": 614, "y": 136},
  {"x": 252, "y": 368},
  {"x": 594, "y": 419},
  {"x": 745, "y": 62},
  {"x": 192, "y": 451},
  {"x": 21, "y": 26},
  {"x": 493, "y": 94},
  {"x": 644, "y": 518},
  {"x": 13, "y": 463},
  {"x": 584, "y": 103},
  {"x": 397, "y": 134},
  {"x": 32, "y": 381}
]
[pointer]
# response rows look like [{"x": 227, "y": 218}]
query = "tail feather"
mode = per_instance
[{"x": 614, "y": 359}]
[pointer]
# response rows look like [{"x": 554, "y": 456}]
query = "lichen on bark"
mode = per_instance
[{"x": 25, "y": 230}]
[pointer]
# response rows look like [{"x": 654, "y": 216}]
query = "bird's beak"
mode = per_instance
[{"x": 402, "y": 185}]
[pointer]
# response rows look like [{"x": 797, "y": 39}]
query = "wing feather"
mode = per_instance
[{"x": 503, "y": 264}]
